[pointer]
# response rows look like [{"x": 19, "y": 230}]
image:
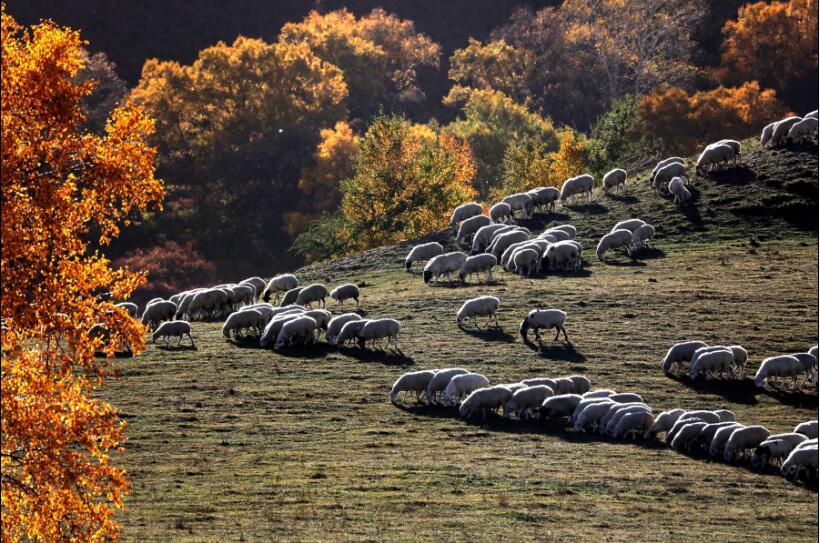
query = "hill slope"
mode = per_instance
[{"x": 232, "y": 442}]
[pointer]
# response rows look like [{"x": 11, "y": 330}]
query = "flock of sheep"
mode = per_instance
[{"x": 570, "y": 402}]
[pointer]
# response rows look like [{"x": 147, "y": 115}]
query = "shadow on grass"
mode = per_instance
[
  {"x": 624, "y": 198},
  {"x": 744, "y": 391},
  {"x": 174, "y": 347},
  {"x": 592, "y": 208},
  {"x": 737, "y": 175},
  {"x": 489, "y": 334},
  {"x": 632, "y": 263},
  {"x": 648, "y": 253},
  {"x": 563, "y": 351},
  {"x": 390, "y": 358}
]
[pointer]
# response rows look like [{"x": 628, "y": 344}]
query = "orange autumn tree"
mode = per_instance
[{"x": 64, "y": 192}]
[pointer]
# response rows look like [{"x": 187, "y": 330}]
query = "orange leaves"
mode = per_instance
[{"x": 60, "y": 188}]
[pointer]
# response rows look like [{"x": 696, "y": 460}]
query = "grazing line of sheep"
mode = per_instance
[
  {"x": 788, "y": 366},
  {"x": 696, "y": 358},
  {"x": 791, "y": 130},
  {"x": 631, "y": 235}
]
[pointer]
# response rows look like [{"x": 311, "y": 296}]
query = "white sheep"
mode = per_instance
[
  {"x": 686, "y": 436},
  {"x": 443, "y": 264},
  {"x": 777, "y": 366},
  {"x": 322, "y": 318},
  {"x": 574, "y": 186},
  {"x": 414, "y": 381},
  {"x": 598, "y": 393},
  {"x": 257, "y": 283},
  {"x": 460, "y": 386},
  {"x": 508, "y": 253},
  {"x": 811, "y": 115},
  {"x": 736, "y": 147},
  {"x": 526, "y": 261},
  {"x": 522, "y": 202},
  {"x": 633, "y": 425},
  {"x": 129, "y": 307},
  {"x": 642, "y": 235},
  {"x": 704, "y": 440},
  {"x": 336, "y": 323},
  {"x": 742, "y": 439},
  {"x": 776, "y": 447},
  {"x": 271, "y": 331},
  {"x": 464, "y": 212},
  {"x": 568, "y": 228},
  {"x": 348, "y": 291},
  {"x": 539, "y": 319},
  {"x": 665, "y": 174},
  {"x": 716, "y": 361},
  {"x": 558, "y": 407},
  {"x": 616, "y": 411},
  {"x": 545, "y": 197},
  {"x": 503, "y": 241},
  {"x": 526, "y": 399},
  {"x": 589, "y": 417},
  {"x": 613, "y": 240},
  {"x": 290, "y": 297},
  {"x": 240, "y": 322},
  {"x": 479, "y": 307},
  {"x": 780, "y": 131},
  {"x": 476, "y": 264},
  {"x": 563, "y": 255},
  {"x": 714, "y": 155},
  {"x": 501, "y": 213},
  {"x": 158, "y": 312},
  {"x": 350, "y": 331},
  {"x": 278, "y": 285},
  {"x": 298, "y": 331},
  {"x": 766, "y": 134},
  {"x": 440, "y": 381},
  {"x": 801, "y": 465},
  {"x": 556, "y": 233},
  {"x": 677, "y": 188},
  {"x": 629, "y": 224},
  {"x": 663, "y": 163},
  {"x": 808, "y": 429},
  {"x": 422, "y": 253},
  {"x": 614, "y": 179},
  {"x": 484, "y": 236},
  {"x": 378, "y": 329},
  {"x": 170, "y": 329},
  {"x": 484, "y": 400},
  {"x": 680, "y": 352},
  {"x": 721, "y": 437},
  {"x": 312, "y": 293},
  {"x": 582, "y": 384},
  {"x": 708, "y": 417},
  {"x": 469, "y": 227},
  {"x": 807, "y": 364}
]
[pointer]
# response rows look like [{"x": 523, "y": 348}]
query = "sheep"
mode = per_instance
[
  {"x": 378, "y": 329},
  {"x": 633, "y": 425},
  {"x": 641, "y": 236},
  {"x": 470, "y": 227},
  {"x": 526, "y": 261},
  {"x": 742, "y": 439},
  {"x": 807, "y": 363},
  {"x": 209, "y": 303},
  {"x": 178, "y": 329},
  {"x": 556, "y": 233},
  {"x": 240, "y": 321},
  {"x": 588, "y": 419},
  {"x": 350, "y": 331},
  {"x": 691, "y": 416},
  {"x": 522, "y": 202},
  {"x": 801, "y": 465},
  {"x": 664, "y": 422},
  {"x": 476, "y": 264},
  {"x": 563, "y": 255},
  {"x": 527, "y": 398},
  {"x": 508, "y": 253},
  {"x": 781, "y": 131},
  {"x": 440, "y": 381},
  {"x": 484, "y": 400},
  {"x": 613, "y": 240},
  {"x": 441, "y": 264},
  {"x": 422, "y": 253},
  {"x": 272, "y": 329},
  {"x": 716, "y": 361},
  {"x": 736, "y": 147},
  {"x": 545, "y": 197},
  {"x": 678, "y": 190},
  {"x": 616, "y": 411},
  {"x": 464, "y": 212},
  {"x": 129, "y": 307},
  {"x": 414, "y": 381},
  {"x": 242, "y": 294},
  {"x": 704, "y": 440},
  {"x": 766, "y": 134},
  {"x": 614, "y": 179},
  {"x": 811, "y": 115},
  {"x": 266, "y": 310},
  {"x": 776, "y": 447},
  {"x": 680, "y": 352},
  {"x": 290, "y": 296},
  {"x": 298, "y": 331},
  {"x": 629, "y": 224},
  {"x": 665, "y": 174},
  {"x": 546, "y": 319},
  {"x": 626, "y": 397},
  {"x": 722, "y": 435},
  {"x": 584, "y": 403},
  {"x": 485, "y": 234},
  {"x": 492, "y": 239},
  {"x": 336, "y": 323},
  {"x": 501, "y": 212},
  {"x": 581, "y": 184},
  {"x": 345, "y": 292},
  {"x": 567, "y": 228},
  {"x": 479, "y": 307},
  {"x": 564, "y": 385},
  {"x": 257, "y": 283},
  {"x": 714, "y": 155},
  {"x": 502, "y": 242},
  {"x": 322, "y": 318},
  {"x": 663, "y": 163},
  {"x": 808, "y": 429},
  {"x": 460, "y": 386},
  {"x": 312, "y": 293},
  {"x": 158, "y": 312},
  {"x": 777, "y": 366},
  {"x": 598, "y": 393},
  {"x": 558, "y": 407},
  {"x": 686, "y": 436}
]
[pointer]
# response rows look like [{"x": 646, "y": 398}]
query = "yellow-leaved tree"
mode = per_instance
[{"x": 65, "y": 194}]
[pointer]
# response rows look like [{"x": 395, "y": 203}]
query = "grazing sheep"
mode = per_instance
[
  {"x": 298, "y": 331},
  {"x": 616, "y": 411},
  {"x": 501, "y": 213},
  {"x": 766, "y": 134},
  {"x": 801, "y": 465},
  {"x": 476, "y": 264},
  {"x": 558, "y": 407},
  {"x": 257, "y": 283},
  {"x": 441, "y": 264},
  {"x": 678, "y": 190},
  {"x": 414, "y": 381},
  {"x": 663, "y": 163},
  {"x": 470, "y": 227},
  {"x": 664, "y": 422},
  {"x": 242, "y": 294},
  {"x": 348, "y": 291},
  {"x": 503, "y": 241},
  {"x": 378, "y": 329},
  {"x": 271, "y": 331},
  {"x": 290, "y": 297},
  {"x": 686, "y": 436},
  {"x": 568, "y": 228},
  {"x": 629, "y": 224},
  {"x": 545, "y": 197},
  {"x": 633, "y": 425},
  {"x": 557, "y": 233},
  {"x": 613, "y": 240},
  {"x": 704, "y": 440},
  {"x": 811, "y": 115},
  {"x": 129, "y": 307},
  {"x": 336, "y": 323},
  {"x": 158, "y": 312},
  {"x": 667, "y": 173},
  {"x": 736, "y": 147},
  {"x": 538, "y": 319},
  {"x": 440, "y": 381},
  {"x": 350, "y": 331},
  {"x": 170, "y": 329},
  {"x": 626, "y": 397},
  {"x": 322, "y": 318},
  {"x": 242, "y": 321},
  {"x": 527, "y": 398},
  {"x": 563, "y": 255},
  {"x": 460, "y": 386},
  {"x": 422, "y": 253},
  {"x": 713, "y": 156},
  {"x": 526, "y": 261},
  {"x": 486, "y": 234},
  {"x": 479, "y": 307},
  {"x": 598, "y": 393},
  {"x": 589, "y": 418},
  {"x": 574, "y": 186},
  {"x": 721, "y": 437},
  {"x": 564, "y": 385},
  {"x": 742, "y": 439},
  {"x": 522, "y": 202},
  {"x": 776, "y": 447},
  {"x": 484, "y": 400},
  {"x": 777, "y": 366},
  {"x": 312, "y": 293},
  {"x": 716, "y": 361},
  {"x": 808, "y": 429},
  {"x": 691, "y": 416},
  {"x": 614, "y": 179},
  {"x": 641, "y": 236},
  {"x": 678, "y": 353},
  {"x": 266, "y": 310},
  {"x": 781, "y": 131},
  {"x": 464, "y": 212}
]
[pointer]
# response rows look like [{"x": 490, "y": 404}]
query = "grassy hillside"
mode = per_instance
[{"x": 231, "y": 442}]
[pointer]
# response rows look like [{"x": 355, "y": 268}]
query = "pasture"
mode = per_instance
[{"x": 230, "y": 442}]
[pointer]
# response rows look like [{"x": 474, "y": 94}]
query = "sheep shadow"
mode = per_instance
[
  {"x": 648, "y": 253},
  {"x": 564, "y": 352},
  {"x": 317, "y": 350},
  {"x": 173, "y": 348},
  {"x": 744, "y": 391},
  {"x": 117, "y": 354},
  {"x": 389, "y": 358},
  {"x": 632, "y": 263},
  {"x": 489, "y": 334},
  {"x": 739, "y": 175},
  {"x": 592, "y": 208},
  {"x": 624, "y": 198},
  {"x": 245, "y": 342}
]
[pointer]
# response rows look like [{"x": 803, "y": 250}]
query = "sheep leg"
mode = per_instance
[{"x": 564, "y": 330}]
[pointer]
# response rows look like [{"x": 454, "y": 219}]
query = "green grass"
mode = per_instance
[{"x": 232, "y": 443}]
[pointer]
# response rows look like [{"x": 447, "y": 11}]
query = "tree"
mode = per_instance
[
  {"x": 526, "y": 165},
  {"x": 109, "y": 90},
  {"x": 66, "y": 193},
  {"x": 495, "y": 65},
  {"x": 775, "y": 43},
  {"x": 407, "y": 180},
  {"x": 379, "y": 55}
]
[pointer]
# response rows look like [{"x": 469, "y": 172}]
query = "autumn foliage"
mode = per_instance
[{"x": 65, "y": 194}]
